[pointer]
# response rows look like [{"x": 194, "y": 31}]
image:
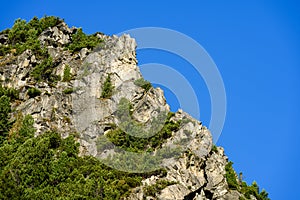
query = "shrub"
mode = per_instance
[
  {"x": 151, "y": 190},
  {"x": 26, "y": 130},
  {"x": 43, "y": 71},
  {"x": 67, "y": 74},
  {"x": 12, "y": 93},
  {"x": 107, "y": 89},
  {"x": 4, "y": 50},
  {"x": 45, "y": 22},
  {"x": 5, "y": 109},
  {"x": 6, "y": 95},
  {"x": 146, "y": 85},
  {"x": 81, "y": 40},
  {"x": 48, "y": 166},
  {"x": 253, "y": 190},
  {"x": 214, "y": 149},
  {"x": 231, "y": 176},
  {"x": 243, "y": 188},
  {"x": 33, "y": 92},
  {"x": 68, "y": 91},
  {"x": 24, "y": 35},
  {"x": 138, "y": 144}
]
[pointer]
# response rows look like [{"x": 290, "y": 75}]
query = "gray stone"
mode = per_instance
[{"x": 198, "y": 172}]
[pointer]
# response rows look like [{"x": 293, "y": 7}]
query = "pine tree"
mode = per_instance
[{"x": 5, "y": 109}]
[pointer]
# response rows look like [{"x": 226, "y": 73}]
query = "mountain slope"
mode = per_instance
[{"x": 67, "y": 88}]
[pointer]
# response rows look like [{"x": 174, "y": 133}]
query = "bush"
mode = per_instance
[
  {"x": 67, "y": 74},
  {"x": 12, "y": 93},
  {"x": 6, "y": 95},
  {"x": 68, "y": 91},
  {"x": 81, "y": 40},
  {"x": 214, "y": 149},
  {"x": 48, "y": 166},
  {"x": 24, "y": 36},
  {"x": 231, "y": 176},
  {"x": 5, "y": 109},
  {"x": 4, "y": 50},
  {"x": 43, "y": 71},
  {"x": 254, "y": 191},
  {"x": 143, "y": 83},
  {"x": 242, "y": 187},
  {"x": 138, "y": 144},
  {"x": 33, "y": 92},
  {"x": 107, "y": 89},
  {"x": 25, "y": 131},
  {"x": 151, "y": 190}
]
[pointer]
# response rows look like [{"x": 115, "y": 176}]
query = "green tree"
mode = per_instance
[
  {"x": 81, "y": 40},
  {"x": 5, "y": 109},
  {"x": 67, "y": 74},
  {"x": 107, "y": 89},
  {"x": 231, "y": 176},
  {"x": 18, "y": 33},
  {"x": 27, "y": 129},
  {"x": 43, "y": 71}
]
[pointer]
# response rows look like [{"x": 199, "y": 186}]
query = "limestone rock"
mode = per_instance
[{"x": 78, "y": 107}]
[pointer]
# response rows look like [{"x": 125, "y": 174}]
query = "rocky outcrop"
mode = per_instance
[{"x": 78, "y": 107}]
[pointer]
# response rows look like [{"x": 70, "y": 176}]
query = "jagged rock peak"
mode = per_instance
[{"x": 90, "y": 86}]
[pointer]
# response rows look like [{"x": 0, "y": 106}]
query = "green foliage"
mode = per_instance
[
  {"x": 231, "y": 176},
  {"x": 67, "y": 74},
  {"x": 214, "y": 149},
  {"x": 143, "y": 83},
  {"x": 137, "y": 144},
  {"x": 145, "y": 146},
  {"x": 43, "y": 71},
  {"x": 48, "y": 167},
  {"x": 24, "y": 35},
  {"x": 263, "y": 195},
  {"x": 44, "y": 23},
  {"x": 12, "y": 93},
  {"x": 4, "y": 50},
  {"x": 5, "y": 109},
  {"x": 81, "y": 40},
  {"x": 152, "y": 190},
  {"x": 242, "y": 187},
  {"x": 254, "y": 191},
  {"x": 124, "y": 109},
  {"x": 6, "y": 95},
  {"x": 33, "y": 92},
  {"x": 124, "y": 115},
  {"x": 26, "y": 130},
  {"x": 68, "y": 91},
  {"x": 18, "y": 34},
  {"x": 107, "y": 89}
]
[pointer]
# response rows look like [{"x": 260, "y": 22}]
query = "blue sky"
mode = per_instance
[{"x": 256, "y": 46}]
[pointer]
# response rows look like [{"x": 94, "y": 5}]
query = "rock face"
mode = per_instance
[{"x": 197, "y": 174}]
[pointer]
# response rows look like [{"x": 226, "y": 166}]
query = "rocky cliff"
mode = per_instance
[{"x": 91, "y": 87}]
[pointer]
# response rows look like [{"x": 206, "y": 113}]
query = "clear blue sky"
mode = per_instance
[{"x": 256, "y": 46}]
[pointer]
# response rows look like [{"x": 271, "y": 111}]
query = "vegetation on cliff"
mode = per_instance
[{"x": 47, "y": 166}]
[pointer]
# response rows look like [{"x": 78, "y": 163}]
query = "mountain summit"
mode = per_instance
[{"x": 78, "y": 121}]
